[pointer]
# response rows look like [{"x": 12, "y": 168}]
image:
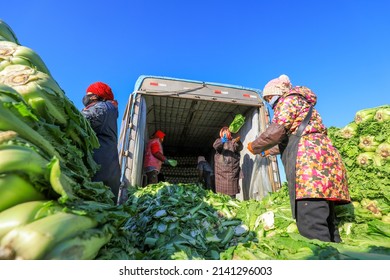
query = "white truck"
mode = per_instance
[{"x": 191, "y": 113}]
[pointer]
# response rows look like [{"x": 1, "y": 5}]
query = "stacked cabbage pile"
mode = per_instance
[
  {"x": 49, "y": 208},
  {"x": 364, "y": 145}
]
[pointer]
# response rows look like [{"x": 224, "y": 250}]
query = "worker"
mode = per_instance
[
  {"x": 101, "y": 110},
  {"x": 154, "y": 157},
  {"x": 227, "y": 168},
  {"x": 315, "y": 172},
  {"x": 206, "y": 174}
]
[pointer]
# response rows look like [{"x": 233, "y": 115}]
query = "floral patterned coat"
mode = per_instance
[{"x": 320, "y": 172}]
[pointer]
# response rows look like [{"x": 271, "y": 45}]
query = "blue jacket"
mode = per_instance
[{"x": 103, "y": 116}]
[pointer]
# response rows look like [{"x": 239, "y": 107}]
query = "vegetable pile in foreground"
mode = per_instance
[{"x": 184, "y": 221}]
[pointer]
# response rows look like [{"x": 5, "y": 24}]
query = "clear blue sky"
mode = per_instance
[{"x": 340, "y": 49}]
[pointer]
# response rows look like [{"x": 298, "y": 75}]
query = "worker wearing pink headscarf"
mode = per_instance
[
  {"x": 315, "y": 172},
  {"x": 101, "y": 110}
]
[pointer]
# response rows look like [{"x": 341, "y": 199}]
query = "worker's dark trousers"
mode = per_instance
[
  {"x": 207, "y": 180},
  {"x": 152, "y": 177},
  {"x": 212, "y": 181},
  {"x": 316, "y": 219}
]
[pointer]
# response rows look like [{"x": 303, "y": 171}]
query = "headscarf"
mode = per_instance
[
  {"x": 201, "y": 158},
  {"x": 102, "y": 90},
  {"x": 159, "y": 134},
  {"x": 278, "y": 86}
]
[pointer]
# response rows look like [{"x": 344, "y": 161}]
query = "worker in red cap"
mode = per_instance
[
  {"x": 154, "y": 157},
  {"x": 101, "y": 110}
]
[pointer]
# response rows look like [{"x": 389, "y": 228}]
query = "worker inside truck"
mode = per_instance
[{"x": 154, "y": 158}]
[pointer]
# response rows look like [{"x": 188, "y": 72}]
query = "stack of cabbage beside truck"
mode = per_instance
[
  {"x": 364, "y": 145},
  {"x": 49, "y": 208},
  {"x": 46, "y": 192}
]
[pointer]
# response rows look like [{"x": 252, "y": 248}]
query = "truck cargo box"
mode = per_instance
[{"x": 191, "y": 113}]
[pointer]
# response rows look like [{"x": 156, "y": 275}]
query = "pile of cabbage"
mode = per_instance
[
  {"x": 49, "y": 207},
  {"x": 364, "y": 145},
  {"x": 184, "y": 221}
]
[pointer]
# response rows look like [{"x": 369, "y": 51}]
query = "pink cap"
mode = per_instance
[{"x": 278, "y": 86}]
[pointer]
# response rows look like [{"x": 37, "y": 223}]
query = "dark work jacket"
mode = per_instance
[
  {"x": 103, "y": 116},
  {"x": 227, "y": 168}
]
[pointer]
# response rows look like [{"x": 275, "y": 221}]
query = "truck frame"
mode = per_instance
[{"x": 191, "y": 113}]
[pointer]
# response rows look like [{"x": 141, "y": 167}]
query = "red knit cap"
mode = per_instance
[
  {"x": 159, "y": 134},
  {"x": 102, "y": 90}
]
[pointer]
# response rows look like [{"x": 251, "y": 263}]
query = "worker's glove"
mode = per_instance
[
  {"x": 249, "y": 147},
  {"x": 265, "y": 153},
  {"x": 224, "y": 139},
  {"x": 171, "y": 162}
]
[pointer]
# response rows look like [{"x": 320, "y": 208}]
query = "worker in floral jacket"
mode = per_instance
[
  {"x": 227, "y": 168},
  {"x": 101, "y": 110},
  {"x": 315, "y": 173}
]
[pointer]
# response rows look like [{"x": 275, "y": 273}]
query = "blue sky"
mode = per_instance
[{"x": 340, "y": 49}]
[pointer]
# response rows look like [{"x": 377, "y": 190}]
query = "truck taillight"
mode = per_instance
[
  {"x": 217, "y": 91},
  {"x": 247, "y": 95},
  {"x": 155, "y": 84}
]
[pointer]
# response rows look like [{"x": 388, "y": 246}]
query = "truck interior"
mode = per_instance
[{"x": 191, "y": 114}]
